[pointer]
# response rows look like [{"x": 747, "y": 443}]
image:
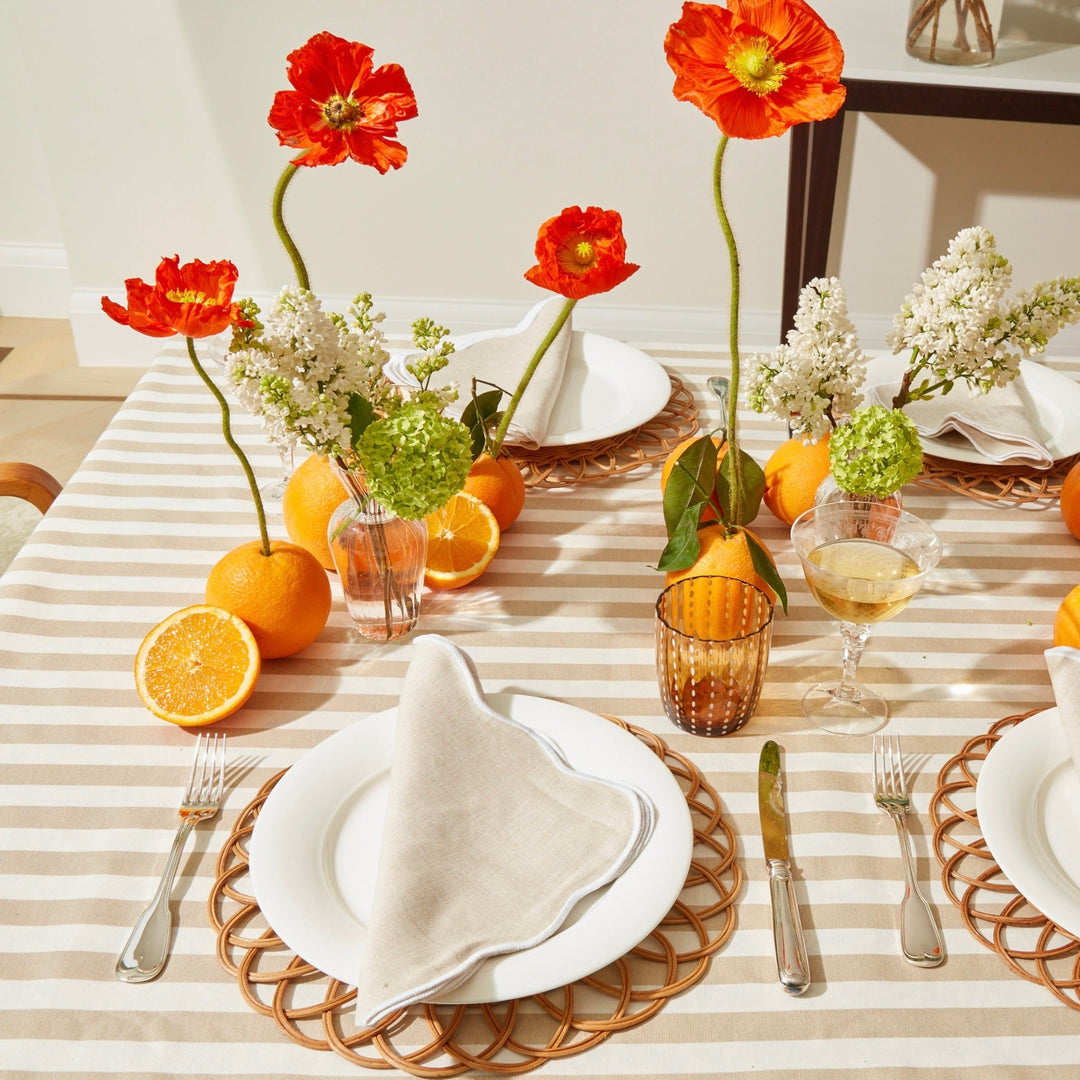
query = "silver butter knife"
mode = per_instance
[{"x": 791, "y": 966}]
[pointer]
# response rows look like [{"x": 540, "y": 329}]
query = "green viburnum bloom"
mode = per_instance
[
  {"x": 415, "y": 459},
  {"x": 877, "y": 453}
]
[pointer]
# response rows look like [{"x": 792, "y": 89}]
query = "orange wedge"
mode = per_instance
[
  {"x": 462, "y": 539},
  {"x": 197, "y": 666}
]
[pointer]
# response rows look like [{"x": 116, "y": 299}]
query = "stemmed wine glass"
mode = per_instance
[{"x": 863, "y": 561}]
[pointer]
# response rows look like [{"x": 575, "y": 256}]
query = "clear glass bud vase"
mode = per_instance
[
  {"x": 380, "y": 563},
  {"x": 829, "y": 491},
  {"x": 954, "y": 31}
]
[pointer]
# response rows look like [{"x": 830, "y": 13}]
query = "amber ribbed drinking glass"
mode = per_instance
[{"x": 712, "y": 649}]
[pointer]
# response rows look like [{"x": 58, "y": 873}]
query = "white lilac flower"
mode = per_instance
[
  {"x": 814, "y": 378},
  {"x": 317, "y": 379},
  {"x": 299, "y": 373},
  {"x": 957, "y": 324}
]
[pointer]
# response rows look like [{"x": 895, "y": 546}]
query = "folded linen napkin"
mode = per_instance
[
  {"x": 490, "y": 837},
  {"x": 998, "y": 424},
  {"x": 1063, "y": 664},
  {"x": 501, "y": 359}
]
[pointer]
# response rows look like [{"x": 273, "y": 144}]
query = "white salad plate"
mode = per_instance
[
  {"x": 608, "y": 388},
  {"x": 1028, "y": 801},
  {"x": 315, "y": 848},
  {"x": 1052, "y": 400}
]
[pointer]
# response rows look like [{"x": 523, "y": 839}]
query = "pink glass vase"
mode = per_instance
[{"x": 380, "y": 563}]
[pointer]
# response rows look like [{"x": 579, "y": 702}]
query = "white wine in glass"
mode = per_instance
[{"x": 863, "y": 562}]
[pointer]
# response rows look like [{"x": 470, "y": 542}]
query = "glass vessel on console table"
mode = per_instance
[{"x": 954, "y": 31}]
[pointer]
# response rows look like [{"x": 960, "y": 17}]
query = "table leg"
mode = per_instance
[{"x": 814, "y": 165}]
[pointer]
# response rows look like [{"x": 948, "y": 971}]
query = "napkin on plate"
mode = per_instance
[
  {"x": 501, "y": 359},
  {"x": 1063, "y": 664},
  {"x": 998, "y": 424},
  {"x": 490, "y": 837}
]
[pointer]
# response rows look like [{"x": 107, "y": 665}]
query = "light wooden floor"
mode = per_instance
[{"x": 51, "y": 410}]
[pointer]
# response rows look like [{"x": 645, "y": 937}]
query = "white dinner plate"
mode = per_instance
[
  {"x": 1028, "y": 802},
  {"x": 608, "y": 387},
  {"x": 1052, "y": 399},
  {"x": 315, "y": 847}
]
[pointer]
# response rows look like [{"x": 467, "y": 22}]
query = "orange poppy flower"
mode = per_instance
[
  {"x": 756, "y": 67},
  {"x": 580, "y": 253},
  {"x": 342, "y": 106},
  {"x": 194, "y": 300}
]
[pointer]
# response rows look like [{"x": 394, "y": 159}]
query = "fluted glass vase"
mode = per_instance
[{"x": 380, "y": 562}]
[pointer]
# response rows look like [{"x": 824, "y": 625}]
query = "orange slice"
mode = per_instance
[
  {"x": 462, "y": 539},
  {"x": 197, "y": 666}
]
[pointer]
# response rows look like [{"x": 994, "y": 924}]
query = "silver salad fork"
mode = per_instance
[
  {"x": 148, "y": 946},
  {"x": 920, "y": 938}
]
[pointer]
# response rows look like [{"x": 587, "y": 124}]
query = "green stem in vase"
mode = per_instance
[
  {"x": 508, "y": 414},
  {"x": 226, "y": 430},
  {"x": 375, "y": 539},
  {"x": 282, "y": 231},
  {"x": 735, "y": 510}
]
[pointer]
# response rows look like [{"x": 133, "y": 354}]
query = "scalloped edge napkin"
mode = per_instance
[
  {"x": 1063, "y": 663},
  {"x": 501, "y": 359},
  {"x": 490, "y": 838},
  {"x": 998, "y": 424}
]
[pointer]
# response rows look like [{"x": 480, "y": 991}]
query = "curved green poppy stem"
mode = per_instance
[
  {"x": 233, "y": 446},
  {"x": 282, "y": 231},
  {"x": 735, "y": 510},
  {"x": 508, "y": 415}
]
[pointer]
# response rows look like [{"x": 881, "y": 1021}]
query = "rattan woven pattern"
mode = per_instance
[
  {"x": 316, "y": 1011},
  {"x": 998, "y": 915},
  {"x": 559, "y": 466},
  {"x": 1010, "y": 484}
]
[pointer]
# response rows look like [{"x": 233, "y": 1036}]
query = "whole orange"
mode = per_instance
[
  {"x": 499, "y": 485},
  {"x": 1067, "y": 620},
  {"x": 312, "y": 494},
  {"x": 792, "y": 476},
  {"x": 284, "y": 597},
  {"x": 710, "y": 513},
  {"x": 726, "y": 556},
  {"x": 1070, "y": 500}
]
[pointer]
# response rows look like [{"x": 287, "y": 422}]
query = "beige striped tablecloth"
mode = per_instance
[{"x": 89, "y": 781}]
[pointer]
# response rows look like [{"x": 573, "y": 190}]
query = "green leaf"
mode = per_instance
[
  {"x": 766, "y": 568},
  {"x": 753, "y": 487},
  {"x": 479, "y": 415},
  {"x": 690, "y": 485},
  {"x": 361, "y": 413},
  {"x": 683, "y": 547}
]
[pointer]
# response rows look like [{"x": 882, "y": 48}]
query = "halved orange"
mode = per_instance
[
  {"x": 196, "y": 666},
  {"x": 462, "y": 539}
]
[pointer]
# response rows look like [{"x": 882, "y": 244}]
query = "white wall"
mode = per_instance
[
  {"x": 152, "y": 119},
  {"x": 34, "y": 279}
]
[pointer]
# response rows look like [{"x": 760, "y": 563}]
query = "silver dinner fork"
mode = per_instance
[
  {"x": 920, "y": 938},
  {"x": 146, "y": 950}
]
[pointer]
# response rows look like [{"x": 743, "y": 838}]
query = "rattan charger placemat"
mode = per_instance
[
  {"x": 992, "y": 909},
  {"x": 584, "y": 463},
  {"x": 1010, "y": 484},
  {"x": 508, "y": 1037}
]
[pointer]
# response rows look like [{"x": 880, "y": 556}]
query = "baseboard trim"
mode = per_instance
[
  {"x": 101, "y": 342},
  {"x": 35, "y": 282}
]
